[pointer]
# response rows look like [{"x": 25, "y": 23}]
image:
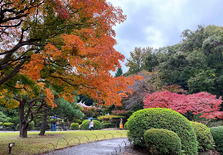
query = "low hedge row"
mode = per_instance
[{"x": 74, "y": 126}]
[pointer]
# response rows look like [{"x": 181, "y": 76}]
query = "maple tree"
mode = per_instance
[
  {"x": 65, "y": 46},
  {"x": 203, "y": 103},
  {"x": 72, "y": 47}
]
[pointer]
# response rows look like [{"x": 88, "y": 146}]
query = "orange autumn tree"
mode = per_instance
[{"x": 81, "y": 59}]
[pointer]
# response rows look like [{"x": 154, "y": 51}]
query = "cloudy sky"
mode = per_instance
[{"x": 158, "y": 23}]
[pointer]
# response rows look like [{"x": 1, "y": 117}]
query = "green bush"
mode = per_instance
[
  {"x": 109, "y": 125},
  {"x": 126, "y": 126},
  {"x": 162, "y": 141},
  {"x": 77, "y": 121},
  {"x": 31, "y": 125},
  {"x": 74, "y": 126},
  {"x": 85, "y": 125},
  {"x": 1, "y": 123},
  {"x": 7, "y": 124},
  {"x": 217, "y": 133},
  {"x": 204, "y": 137},
  {"x": 161, "y": 118}
]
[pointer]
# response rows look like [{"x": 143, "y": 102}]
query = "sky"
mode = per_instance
[{"x": 159, "y": 23}]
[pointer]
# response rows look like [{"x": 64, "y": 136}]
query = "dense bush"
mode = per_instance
[
  {"x": 161, "y": 118},
  {"x": 77, "y": 121},
  {"x": 31, "y": 125},
  {"x": 109, "y": 125},
  {"x": 7, "y": 124},
  {"x": 1, "y": 123},
  {"x": 126, "y": 126},
  {"x": 204, "y": 137},
  {"x": 162, "y": 141},
  {"x": 217, "y": 133},
  {"x": 85, "y": 125},
  {"x": 74, "y": 126}
]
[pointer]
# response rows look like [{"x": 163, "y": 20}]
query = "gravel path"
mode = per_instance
[{"x": 105, "y": 147}]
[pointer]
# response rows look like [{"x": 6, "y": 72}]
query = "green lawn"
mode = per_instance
[{"x": 35, "y": 143}]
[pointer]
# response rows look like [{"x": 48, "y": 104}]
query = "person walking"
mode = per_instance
[{"x": 91, "y": 125}]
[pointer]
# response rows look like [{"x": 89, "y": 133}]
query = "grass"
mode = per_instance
[{"x": 35, "y": 143}]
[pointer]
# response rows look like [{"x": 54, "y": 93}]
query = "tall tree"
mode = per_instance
[
  {"x": 136, "y": 62},
  {"x": 119, "y": 72}
]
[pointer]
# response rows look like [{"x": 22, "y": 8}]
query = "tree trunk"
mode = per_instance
[
  {"x": 23, "y": 121},
  {"x": 44, "y": 123}
]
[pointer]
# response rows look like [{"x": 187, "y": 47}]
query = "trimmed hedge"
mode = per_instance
[
  {"x": 162, "y": 141},
  {"x": 7, "y": 124},
  {"x": 204, "y": 137},
  {"x": 85, "y": 125},
  {"x": 109, "y": 125},
  {"x": 74, "y": 126},
  {"x": 126, "y": 126},
  {"x": 217, "y": 133},
  {"x": 161, "y": 118},
  {"x": 1, "y": 123}
]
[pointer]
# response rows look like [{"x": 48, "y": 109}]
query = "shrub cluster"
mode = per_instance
[
  {"x": 217, "y": 133},
  {"x": 1, "y": 123},
  {"x": 74, "y": 126},
  {"x": 7, "y": 124},
  {"x": 204, "y": 137},
  {"x": 161, "y": 118},
  {"x": 85, "y": 125},
  {"x": 162, "y": 141},
  {"x": 77, "y": 121},
  {"x": 108, "y": 125}
]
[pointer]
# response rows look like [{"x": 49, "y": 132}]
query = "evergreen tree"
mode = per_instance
[{"x": 119, "y": 72}]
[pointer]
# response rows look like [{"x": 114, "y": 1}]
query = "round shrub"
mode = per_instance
[
  {"x": 126, "y": 126},
  {"x": 204, "y": 137},
  {"x": 217, "y": 133},
  {"x": 85, "y": 125},
  {"x": 31, "y": 126},
  {"x": 74, "y": 126},
  {"x": 161, "y": 118},
  {"x": 1, "y": 123},
  {"x": 162, "y": 141}
]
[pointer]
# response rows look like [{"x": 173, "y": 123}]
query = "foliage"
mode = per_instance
[
  {"x": 77, "y": 121},
  {"x": 196, "y": 62},
  {"x": 204, "y": 137},
  {"x": 85, "y": 125},
  {"x": 126, "y": 126},
  {"x": 202, "y": 103},
  {"x": 119, "y": 72},
  {"x": 109, "y": 117},
  {"x": 74, "y": 126},
  {"x": 7, "y": 124},
  {"x": 4, "y": 118},
  {"x": 162, "y": 141},
  {"x": 1, "y": 123},
  {"x": 31, "y": 125},
  {"x": 217, "y": 133},
  {"x": 109, "y": 125},
  {"x": 161, "y": 118},
  {"x": 136, "y": 62}
]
